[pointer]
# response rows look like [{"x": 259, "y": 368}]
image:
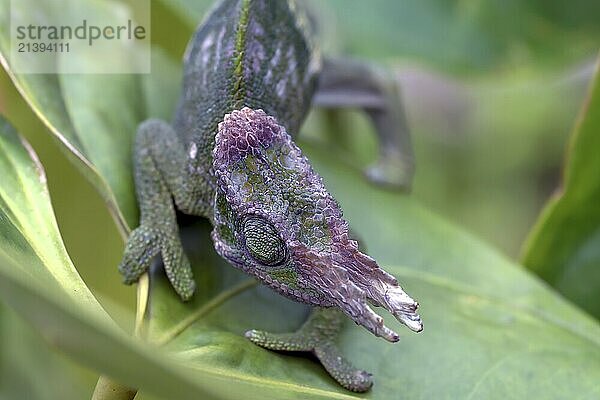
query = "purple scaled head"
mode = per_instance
[{"x": 275, "y": 220}]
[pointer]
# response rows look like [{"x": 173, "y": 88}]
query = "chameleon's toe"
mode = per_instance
[
  {"x": 391, "y": 170},
  {"x": 177, "y": 267},
  {"x": 280, "y": 341},
  {"x": 142, "y": 247},
  {"x": 317, "y": 335},
  {"x": 341, "y": 369}
]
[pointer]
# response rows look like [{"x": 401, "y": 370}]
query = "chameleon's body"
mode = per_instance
[
  {"x": 251, "y": 71},
  {"x": 254, "y": 54}
]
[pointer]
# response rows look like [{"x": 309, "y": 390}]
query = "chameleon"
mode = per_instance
[{"x": 252, "y": 70}]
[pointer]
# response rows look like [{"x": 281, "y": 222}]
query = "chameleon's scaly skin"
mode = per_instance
[
  {"x": 250, "y": 74},
  {"x": 318, "y": 335}
]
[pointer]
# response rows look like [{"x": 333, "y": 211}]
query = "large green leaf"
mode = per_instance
[
  {"x": 29, "y": 234},
  {"x": 25, "y": 357},
  {"x": 93, "y": 115},
  {"x": 564, "y": 246},
  {"x": 37, "y": 277},
  {"x": 491, "y": 330},
  {"x": 485, "y": 326}
]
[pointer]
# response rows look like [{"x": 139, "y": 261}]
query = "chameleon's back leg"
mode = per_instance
[
  {"x": 350, "y": 83},
  {"x": 317, "y": 335},
  {"x": 158, "y": 167}
]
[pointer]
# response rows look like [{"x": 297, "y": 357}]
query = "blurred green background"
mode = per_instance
[{"x": 492, "y": 89}]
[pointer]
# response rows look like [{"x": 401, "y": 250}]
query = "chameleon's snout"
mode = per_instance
[{"x": 350, "y": 280}]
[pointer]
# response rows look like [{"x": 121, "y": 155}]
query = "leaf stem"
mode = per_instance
[
  {"x": 143, "y": 291},
  {"x": 205, "y": 309},
  {"x": 106, "y": 388}
]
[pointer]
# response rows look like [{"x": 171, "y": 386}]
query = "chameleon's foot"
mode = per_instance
[
  {"x": 391, "y": 170},
  {"x": 317, "y": 335},
  {"x": 143, "y": 245},
  {"x": 351, "y": 83}
]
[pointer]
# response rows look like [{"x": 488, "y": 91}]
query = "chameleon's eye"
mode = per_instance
[{"x": 263, "y": 242}]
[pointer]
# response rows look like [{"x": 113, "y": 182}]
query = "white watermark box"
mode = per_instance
[{"x": 76, "y": 36}]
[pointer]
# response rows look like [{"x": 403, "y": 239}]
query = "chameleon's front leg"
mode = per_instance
[
  {"x": 158, "y": 163},
  {"x": 350, "y": 83},
  {"x": 317, "y": 335}
]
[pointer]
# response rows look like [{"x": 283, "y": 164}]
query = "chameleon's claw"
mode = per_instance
[
  {"x": 317, "y": 335},
  {"x": 350, "y": 83},
  {"x": 356, "y": 380},
  {"x": 178, "y": 269},
  {"x": 143, "y": 245},
  {"x": 279, "y": 341},
  {"x": 391, "y": 170}
]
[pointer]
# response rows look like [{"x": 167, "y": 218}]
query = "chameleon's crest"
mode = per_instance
[{"x": 275, "y": 220}]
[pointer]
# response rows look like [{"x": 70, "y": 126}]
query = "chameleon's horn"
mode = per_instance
[
  {"x": 380, "y": 287},
  {"x": 349, "y": 279}
]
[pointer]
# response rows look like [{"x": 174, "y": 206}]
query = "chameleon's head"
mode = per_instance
[{"x": 275, "y": 220}]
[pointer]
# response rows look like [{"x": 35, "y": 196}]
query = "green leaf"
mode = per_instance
[
  {"x": 491, "y": 330},
  {"x": 564, "y": 245},
  {"x": 30, "y": 237},
  {"x": 487, "y": 321},
  {"x": 29, "y": 369},
  {"x": 485, "y": 326},
  {"x": 94, "y": 115}
]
